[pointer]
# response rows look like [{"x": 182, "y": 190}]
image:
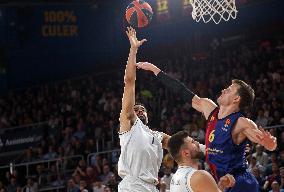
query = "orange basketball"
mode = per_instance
[{"x": 139, "y": 13}]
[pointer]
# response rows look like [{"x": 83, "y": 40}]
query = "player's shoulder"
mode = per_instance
[
  {"x": 243, "y": 122},
  {"x": 199, "y": 174},
  {"x": 202, "y": 180},
  {"x": 126, "y": 131}
]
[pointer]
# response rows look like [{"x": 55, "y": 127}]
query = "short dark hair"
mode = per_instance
[
  {"x": 137, "y": 103},
  {"x": 246, "y": 93},
  {"x": 175, "y": 143}
]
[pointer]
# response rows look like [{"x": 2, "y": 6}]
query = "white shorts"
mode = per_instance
[{"x": 133, "y": 184}]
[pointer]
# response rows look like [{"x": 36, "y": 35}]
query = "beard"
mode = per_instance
[
  {"x": 197, "y": 155},
  {"x": 143, "y": 119}
]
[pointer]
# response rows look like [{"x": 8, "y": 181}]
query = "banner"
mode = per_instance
[
  {"x": 59, "y": 23},
  {"x": 20, "y": 138}
]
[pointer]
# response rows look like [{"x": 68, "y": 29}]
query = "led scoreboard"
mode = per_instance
[{"x": 162, "y": 10}]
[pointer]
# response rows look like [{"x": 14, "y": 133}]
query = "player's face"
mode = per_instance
[
  {"x": 229, "y": 95},
  {"x": 192, "y": 148},
  {"x": 141, "y": 113}
]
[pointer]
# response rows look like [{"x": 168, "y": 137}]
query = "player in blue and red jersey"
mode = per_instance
[{"x": 227, "y": 130}]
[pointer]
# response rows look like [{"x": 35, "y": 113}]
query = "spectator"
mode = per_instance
[
  {"x": 40, "y": 176},
  {"x": 261, "y": 120},
  {"x": 167, "y": 177},
  {"x": 28, "y": 156},
  {"x": 112, "y": 183},
  {"x": 13, "y": 186},
  {"x": 261, "y": 157},
  {"x": 254, "y": 164},
  {"x": 77, "y": 145},
  {"x": 273, "y": 159},
  {"x": 107, "y": 189},
  {"x": 84, "y": 187},
  {"x": 196, "y": 133},
  {"x": 7, "y": 178},
  {"x": 80, "y": 133},
  {"x": 59, "y": 181},
  {"x": 90, "y": 176},
  {"x": 39, "y": 154},
  {"x": 273, "y": 177},
  {"x": 80, "y": 169},
  {"x": 31, "y": 186},
  {"x": 77, "y": 179},
  {"x": 72, "y": 187},
  {"x": 275, "y": 187},
  {"x": 106, "y": 175},
  {"x": 256, "y": 173},
  {"x": 2, "y": 187},
  {"x": 51, "y": 154},
  {"x": 98, "y": 186}
]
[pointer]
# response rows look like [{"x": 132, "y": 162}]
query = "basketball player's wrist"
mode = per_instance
[
  {"x": 156, "y": 71},
  {"x": 133, "y": 50}
]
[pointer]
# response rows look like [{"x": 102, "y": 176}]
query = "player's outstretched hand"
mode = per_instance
[
  {"x": 134, "y": 42},
  {"x": 226, "y": 182},
  {"x": 267, "y": 140}
]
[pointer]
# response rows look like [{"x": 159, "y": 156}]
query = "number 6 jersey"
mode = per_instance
[{"x": 222, "y": 154}]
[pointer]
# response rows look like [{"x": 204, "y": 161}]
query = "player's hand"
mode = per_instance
[
  {"x": 134, "y": 42},
  {"x": 145, "y": 66},
  {"x": 148, "y": 67},
  {"x": 267, "y": 140},
  {"x": 226, "y": 182}
]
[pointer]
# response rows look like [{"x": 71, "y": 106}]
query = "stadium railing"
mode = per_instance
[{"x": 64, "y": 166}]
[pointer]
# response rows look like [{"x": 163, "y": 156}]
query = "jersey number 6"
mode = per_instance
[{"x": 211, "y": 136}]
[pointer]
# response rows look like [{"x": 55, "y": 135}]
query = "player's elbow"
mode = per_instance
[{"x": 129, "y": 80}]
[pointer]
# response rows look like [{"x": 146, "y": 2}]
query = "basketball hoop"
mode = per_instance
[{"x": 215, "y": 10}]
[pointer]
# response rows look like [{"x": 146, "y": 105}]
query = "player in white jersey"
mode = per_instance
[
  {"x": 186, "y": 152},
  {"x": 141, "y": 148}
]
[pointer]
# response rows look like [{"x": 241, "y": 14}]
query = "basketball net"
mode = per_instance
[{"x": 215, "y": 10}]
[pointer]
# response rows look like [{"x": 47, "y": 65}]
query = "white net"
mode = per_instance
[{"x": 213, "y": 10}]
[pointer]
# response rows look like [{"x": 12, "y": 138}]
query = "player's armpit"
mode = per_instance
[
  {"x": 125, "y": 124},
  {"x": 202, "y": 181},
  {"x": 203, "y": 105}
]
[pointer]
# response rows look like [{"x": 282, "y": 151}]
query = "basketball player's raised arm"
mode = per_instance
[
  {"x": 203, "y": 105},
  {"x": 248, "y": 128},
  {"x": 202, "y": 181},
  {"x": 127, "y": 115}
]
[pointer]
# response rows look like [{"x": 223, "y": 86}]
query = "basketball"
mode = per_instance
[{"x": 139, "y": 13}]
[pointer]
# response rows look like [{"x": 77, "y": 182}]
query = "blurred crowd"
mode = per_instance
[{"x": 87, "y": 110}]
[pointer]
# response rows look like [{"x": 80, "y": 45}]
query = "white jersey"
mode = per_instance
[
  {"x": 179, "y": 182},
  {"x": 140, "y": 158}
]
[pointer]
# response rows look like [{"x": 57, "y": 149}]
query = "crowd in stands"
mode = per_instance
[{"x": 82, "y": 115}]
